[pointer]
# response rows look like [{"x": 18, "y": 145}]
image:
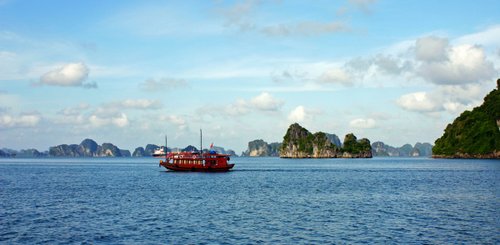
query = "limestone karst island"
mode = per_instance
[
  {"x": 300, "y": 143},
  {"x": 474, "y": 134}
]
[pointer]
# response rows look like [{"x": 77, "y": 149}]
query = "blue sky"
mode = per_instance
[{"x": 129, "y": 72}]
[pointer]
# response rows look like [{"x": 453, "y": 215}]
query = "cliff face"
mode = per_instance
[
  {"x": 64, "y": 150},
  {"x": 298, "y": 142},
  {"x": 109, "y": 150},
  {"x": 474, "y": 134},
  {"x": 322, "y": 146},
  {"x": 88, "y": 148},
  {"x": 138, "y": 152},
  {"x": 383, "y": 150},
  {"x": 354, "y": 148},
  {"x": 425, "y": 149},
  {"x": 260, "y": 148}
]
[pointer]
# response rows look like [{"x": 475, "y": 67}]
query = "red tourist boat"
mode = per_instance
[{"x": 196, "y": 161}]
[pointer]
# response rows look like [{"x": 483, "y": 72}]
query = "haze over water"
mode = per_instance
[{"x": 269, "y": 200}]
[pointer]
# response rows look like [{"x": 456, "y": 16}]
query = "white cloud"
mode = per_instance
[
  {"x": 128, "y": 104},
  {"x": 75, "y": 110},
  {"x": 239, "y": 14},
  {"x": 306, "y": 28},
  {"x": 163, "y": 84},
  {"x": 23, "y": 120},
  {"x": 451, "y": 98},
  {"x": 69, "y": 75},
  {"x": 419, "y": 101},
  {"x": 464, "y": 64},
  {"x": 142, "y": 104},
  {"x": 336, "y": 75},
  {"x": 432, "y": 59},
  {"x": 298, "y": 114},
  {"x": 119, "y": 120},
  {"x": 362, "y": 123},
  {"x": 487, "y": 37},
  {"x": 289, "y": 76},
  {"x": 266, "y": 102},
  {"x": 431, "y": 49},
  {"x": 73, "y": 115},
  {"x": 391, "y": 65},
  {"x": 179, "y": 121},
  {"x": 239, "y": 107},
  {"x": 84, "y": 115},
  {"x": 262, "y": 102},
  {"x": 242, "y": 16}
]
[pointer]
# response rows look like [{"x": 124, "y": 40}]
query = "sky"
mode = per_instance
[{"x": 130, "y": 72}]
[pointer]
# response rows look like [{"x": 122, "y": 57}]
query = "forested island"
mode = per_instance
[
  {"x": 474, "y": 134},
  {"x": 298, "y": 142}
]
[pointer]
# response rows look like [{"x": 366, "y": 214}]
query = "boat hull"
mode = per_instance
[{"x": 175, "y": 167}]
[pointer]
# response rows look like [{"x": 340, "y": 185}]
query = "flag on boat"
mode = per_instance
[{"x": 212, "y": 145}]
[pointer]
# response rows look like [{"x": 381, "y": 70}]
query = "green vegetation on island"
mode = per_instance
[
  {"x": 474, "y": 134},
  {"x": 298, "y": 142}
]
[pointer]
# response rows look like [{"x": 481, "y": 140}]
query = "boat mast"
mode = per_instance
[
  {"x": 201, "y": 142},
  {"x": 166, "y": 146}
]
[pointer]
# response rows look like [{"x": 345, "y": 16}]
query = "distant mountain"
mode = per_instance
[
  {"x": 425, "y": 149},
  {"x": 190, "y": 148},
  {"x": 298, "y": 142},
  {"x": 379, "y": 149},
  {"x": 139, "y": 152},
  {"x": 4, "y": 152},
  {"x": 150, "y": 149},
  {"x": 87, "y": 148},
  {"x": 90, "y": 148},
  {"x": 28, "y": 153},
  {"x": 474, "y": 134},
  {"x": 125, "y": 153},
  {"x": 221, "y": 150},
  {"x": 334, "y": 139},
  {"x": 260, "y": 148}
]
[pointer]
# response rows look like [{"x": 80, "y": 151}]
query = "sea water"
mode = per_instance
[{"x": 262, "y": 200}]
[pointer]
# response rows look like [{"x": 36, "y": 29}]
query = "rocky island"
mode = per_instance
[
  {"x": 474, "y": 134},
  {"x": 87, "y": 148},
  {"x": 380, "y": 149},
  {"x": 298, "y": 142},
  {"x": 260, "y": 148}
]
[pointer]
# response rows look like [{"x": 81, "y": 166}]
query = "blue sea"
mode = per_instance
[{"x": 262, "y": 200}]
